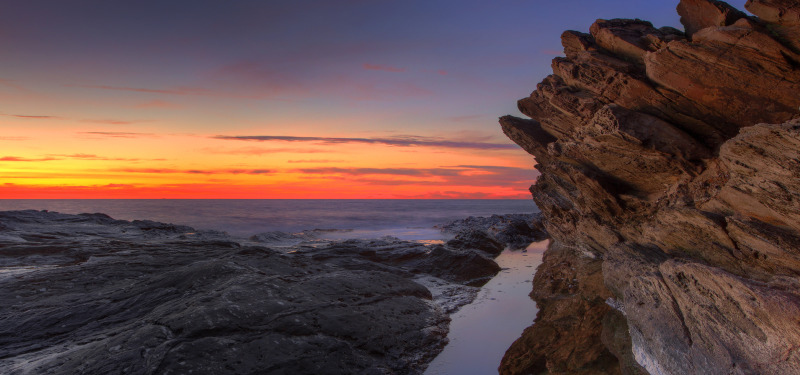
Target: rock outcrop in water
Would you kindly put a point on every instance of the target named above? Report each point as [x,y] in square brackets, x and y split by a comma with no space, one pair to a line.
[496,232]
[670,185]
[87,294]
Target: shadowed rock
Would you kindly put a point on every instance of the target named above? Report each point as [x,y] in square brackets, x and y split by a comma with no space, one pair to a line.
[90,294]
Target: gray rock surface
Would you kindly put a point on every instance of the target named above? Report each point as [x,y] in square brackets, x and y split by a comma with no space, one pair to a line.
[87,294]
[494,233]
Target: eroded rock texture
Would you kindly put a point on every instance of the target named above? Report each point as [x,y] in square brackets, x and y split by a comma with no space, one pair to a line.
[87,294]
[670,183]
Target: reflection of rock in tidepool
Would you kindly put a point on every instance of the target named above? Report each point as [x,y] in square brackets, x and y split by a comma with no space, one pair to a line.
[90,294]
[675,213]
[482,331]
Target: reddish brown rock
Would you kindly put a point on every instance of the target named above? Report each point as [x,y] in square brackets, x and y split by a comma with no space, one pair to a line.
[700,14]
[664,188]
[631,39]
[569,291]
[730,70]
[783,17]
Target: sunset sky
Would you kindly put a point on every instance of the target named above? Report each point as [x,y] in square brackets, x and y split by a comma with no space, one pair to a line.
[276,99]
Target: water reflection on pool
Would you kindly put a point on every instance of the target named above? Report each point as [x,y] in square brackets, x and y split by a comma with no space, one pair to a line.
[482,331]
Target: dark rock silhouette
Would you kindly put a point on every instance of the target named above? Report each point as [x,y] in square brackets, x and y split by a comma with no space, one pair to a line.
[87,294]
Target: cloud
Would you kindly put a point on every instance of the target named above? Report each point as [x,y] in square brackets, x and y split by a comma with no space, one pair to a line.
[400,141]
[158,104]
[93,157]
[289,81]
[385,68]
[49,117]
[10,83]
[35,117]
[110,122]
[170,91]
[459,175]
[492,168]
[194,171]
[314,161]
[258,151]
[384,171]
[16,158]
[118,134]
[82,156]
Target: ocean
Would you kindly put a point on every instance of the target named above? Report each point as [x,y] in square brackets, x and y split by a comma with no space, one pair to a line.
[341,218]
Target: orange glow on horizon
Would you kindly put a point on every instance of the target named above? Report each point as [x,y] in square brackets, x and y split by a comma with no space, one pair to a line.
[245,192]
[143,163]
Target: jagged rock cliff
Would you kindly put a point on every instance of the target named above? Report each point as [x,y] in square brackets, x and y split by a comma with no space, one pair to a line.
[670,184]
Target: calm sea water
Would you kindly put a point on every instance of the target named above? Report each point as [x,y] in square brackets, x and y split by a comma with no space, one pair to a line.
[359,218]
[482,331]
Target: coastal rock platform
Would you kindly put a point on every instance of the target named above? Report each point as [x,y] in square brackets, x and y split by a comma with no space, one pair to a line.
[90,294]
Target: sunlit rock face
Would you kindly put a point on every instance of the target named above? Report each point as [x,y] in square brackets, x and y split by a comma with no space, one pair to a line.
[670,183]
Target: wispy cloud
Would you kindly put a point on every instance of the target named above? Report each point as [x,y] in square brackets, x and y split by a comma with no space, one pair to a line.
[81,156]
[109,122]
[170,91]
[118,134]
[384,171]
[466,175]
[51,117]
[194,171]
[16,158]
[92,157]
[10,83]
[288,81]
[119,186]
[314,161]
[385,68]
[258,151]
[34,117]
[158,104]
[400,141]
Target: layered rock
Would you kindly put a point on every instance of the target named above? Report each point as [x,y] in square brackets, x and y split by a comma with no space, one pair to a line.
[87,294]
[670,167]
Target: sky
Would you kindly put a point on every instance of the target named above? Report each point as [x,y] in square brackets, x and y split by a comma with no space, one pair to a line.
[276,99]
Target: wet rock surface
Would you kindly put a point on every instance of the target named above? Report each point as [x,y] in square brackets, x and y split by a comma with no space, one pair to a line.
[670,174]
[491,233]
[90,294]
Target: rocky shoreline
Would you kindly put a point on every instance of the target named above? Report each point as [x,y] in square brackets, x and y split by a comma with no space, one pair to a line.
[91,294]
[670,184]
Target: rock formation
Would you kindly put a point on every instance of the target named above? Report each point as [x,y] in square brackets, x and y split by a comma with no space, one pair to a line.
[87,294]
[496,232]
[670,184]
